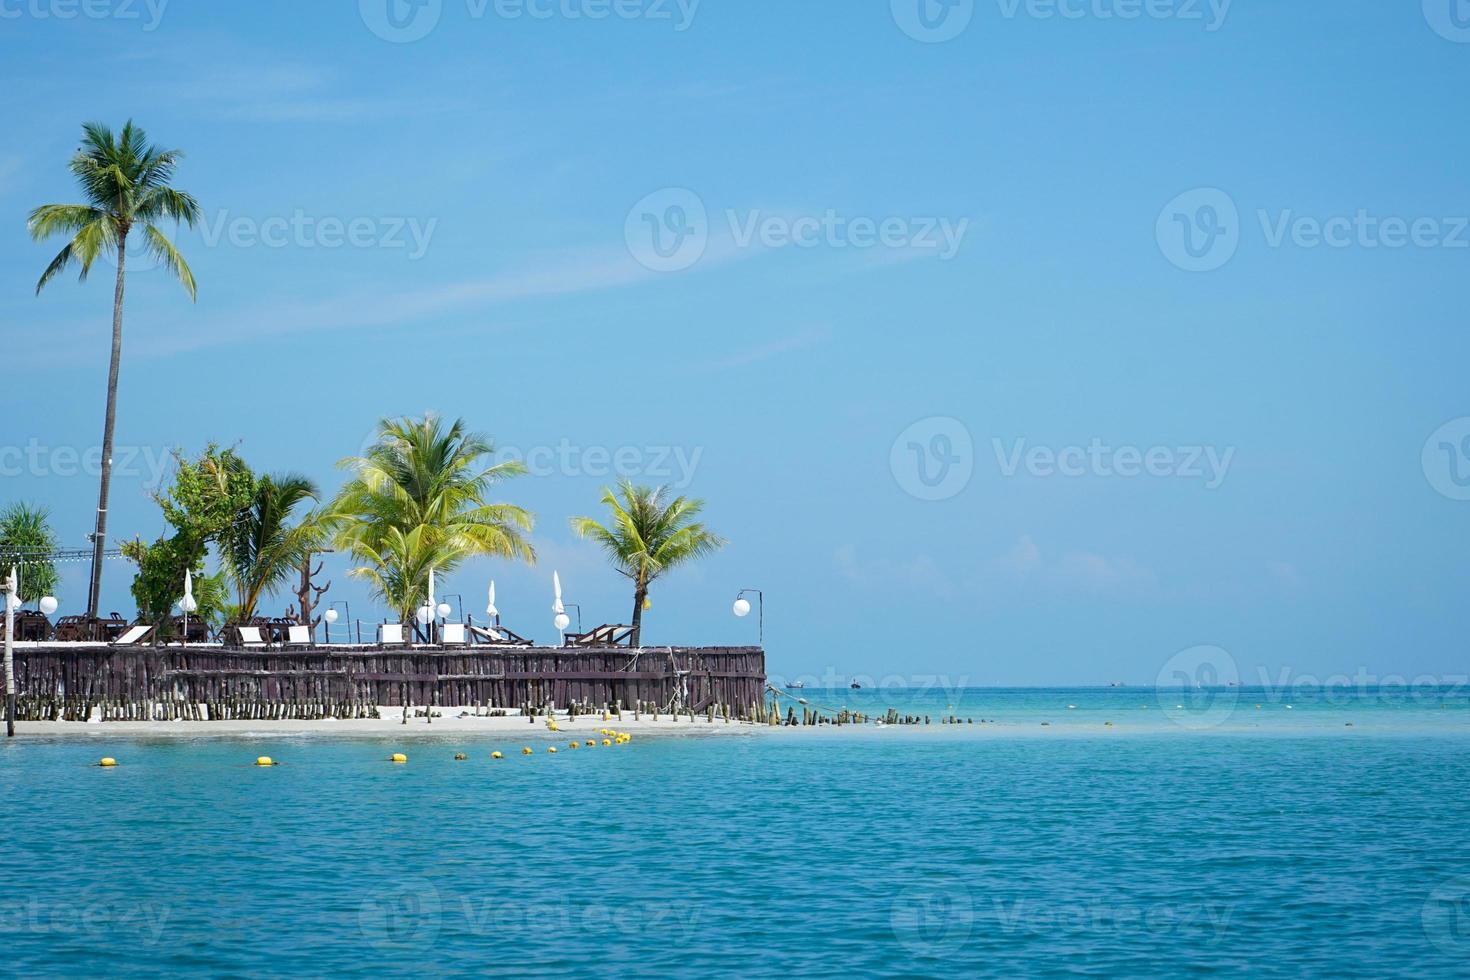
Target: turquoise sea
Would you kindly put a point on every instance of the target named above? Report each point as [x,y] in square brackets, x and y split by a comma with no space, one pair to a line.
[1331,838]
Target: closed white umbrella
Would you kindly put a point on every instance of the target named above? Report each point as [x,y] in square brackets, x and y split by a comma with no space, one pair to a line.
[490,609]
[556,606]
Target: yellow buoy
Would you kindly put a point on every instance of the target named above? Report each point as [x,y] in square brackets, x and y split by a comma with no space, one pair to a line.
[398,757]
[107,763]
[552,750]
[574,745]
[606,742]
[496,755]
[265,760]
[591,744]
[460,757]
[526,750]
[551,725]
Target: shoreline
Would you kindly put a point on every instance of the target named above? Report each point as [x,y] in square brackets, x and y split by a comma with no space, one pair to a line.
[451,723]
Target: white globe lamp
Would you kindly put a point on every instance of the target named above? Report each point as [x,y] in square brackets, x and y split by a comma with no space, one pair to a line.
[330,616]
[742,608]
[562,622]
[48,604]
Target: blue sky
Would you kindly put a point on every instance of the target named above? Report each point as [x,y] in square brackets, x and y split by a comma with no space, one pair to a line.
[1093,333]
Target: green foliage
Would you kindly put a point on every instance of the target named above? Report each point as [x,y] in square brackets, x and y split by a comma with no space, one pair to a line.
[262,547]
[202,506]
[419,500]
[25,534]
[126,183]
[647,536]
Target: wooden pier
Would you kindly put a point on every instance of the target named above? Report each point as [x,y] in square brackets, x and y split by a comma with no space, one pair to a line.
[203,683]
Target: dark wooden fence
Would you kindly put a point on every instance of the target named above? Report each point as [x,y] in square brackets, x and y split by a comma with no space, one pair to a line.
[213,682]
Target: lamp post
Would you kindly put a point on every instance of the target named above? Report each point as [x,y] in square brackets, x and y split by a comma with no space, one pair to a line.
[742,609]
[331,616]
[563,620]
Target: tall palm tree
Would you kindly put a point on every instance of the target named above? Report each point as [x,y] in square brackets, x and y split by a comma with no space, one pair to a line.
[419,500]
[263,548]
[126,183]
[648,536]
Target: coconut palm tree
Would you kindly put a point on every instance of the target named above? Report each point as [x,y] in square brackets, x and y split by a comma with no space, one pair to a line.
[263,547]
[648,535]
[127,185]
[419,499]
[27,541]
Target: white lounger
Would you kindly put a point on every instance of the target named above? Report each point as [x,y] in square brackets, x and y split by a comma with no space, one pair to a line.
[134,636]
[298,636]
[390,634]
[250,637]
[453,635]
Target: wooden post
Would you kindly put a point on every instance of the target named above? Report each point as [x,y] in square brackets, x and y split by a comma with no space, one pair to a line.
[8,591]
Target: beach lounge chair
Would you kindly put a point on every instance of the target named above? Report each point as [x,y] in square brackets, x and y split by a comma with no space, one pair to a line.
[390,635]
[453,635]
[298,635]
[250,637]
[498,636]
[607,635]
[134,636]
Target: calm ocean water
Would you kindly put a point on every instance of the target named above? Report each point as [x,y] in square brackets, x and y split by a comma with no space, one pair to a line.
[1332,837]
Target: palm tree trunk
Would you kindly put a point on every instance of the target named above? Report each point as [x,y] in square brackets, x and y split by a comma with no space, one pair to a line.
[99,539]
[639,595]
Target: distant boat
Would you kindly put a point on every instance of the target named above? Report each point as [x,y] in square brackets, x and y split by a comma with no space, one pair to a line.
[795,686]
[856,686]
